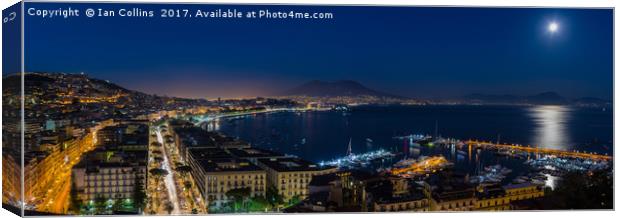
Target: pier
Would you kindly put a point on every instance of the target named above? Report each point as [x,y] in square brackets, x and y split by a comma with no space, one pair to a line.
[547,151]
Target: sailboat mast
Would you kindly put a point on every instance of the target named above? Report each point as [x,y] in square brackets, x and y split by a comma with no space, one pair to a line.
[349,150]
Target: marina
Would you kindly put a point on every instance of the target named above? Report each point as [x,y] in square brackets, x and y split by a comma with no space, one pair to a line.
[352,161]
[394,149]
[559,166]
[512,148]
[491,174]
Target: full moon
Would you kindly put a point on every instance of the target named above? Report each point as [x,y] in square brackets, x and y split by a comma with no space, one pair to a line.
[553,27]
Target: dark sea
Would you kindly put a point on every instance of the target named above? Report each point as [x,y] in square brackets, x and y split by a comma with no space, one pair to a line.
[319,136]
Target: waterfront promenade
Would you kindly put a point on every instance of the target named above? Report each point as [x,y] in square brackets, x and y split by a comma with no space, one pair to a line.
[537,150]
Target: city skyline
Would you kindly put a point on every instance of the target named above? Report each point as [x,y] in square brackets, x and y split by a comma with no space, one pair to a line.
[353,109]
[413,49]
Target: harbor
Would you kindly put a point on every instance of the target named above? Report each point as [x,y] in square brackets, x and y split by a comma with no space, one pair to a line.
[363,160]
[540,166]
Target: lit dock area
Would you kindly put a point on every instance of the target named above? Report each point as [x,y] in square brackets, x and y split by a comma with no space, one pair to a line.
[537,150]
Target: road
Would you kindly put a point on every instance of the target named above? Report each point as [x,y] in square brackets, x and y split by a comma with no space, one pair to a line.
[169,179]
[211,117]
[62,199]
[189,198]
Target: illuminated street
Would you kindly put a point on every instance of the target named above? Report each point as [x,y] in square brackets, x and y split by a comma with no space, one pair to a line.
[169,178]
[188,199]
[56,198]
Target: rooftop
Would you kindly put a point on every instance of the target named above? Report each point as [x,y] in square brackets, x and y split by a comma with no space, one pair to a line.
[520,185]
[491,192]
[289,164]
[415,196]
[253,153]
[227,165]
[450,187]
[209,153]
[127,134]
[111,158]
[323,180]
[194,137]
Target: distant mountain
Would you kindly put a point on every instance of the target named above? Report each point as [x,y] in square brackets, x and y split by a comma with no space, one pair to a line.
[348,88]
[545,98]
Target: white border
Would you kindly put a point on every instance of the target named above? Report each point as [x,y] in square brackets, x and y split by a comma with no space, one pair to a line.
[467,3]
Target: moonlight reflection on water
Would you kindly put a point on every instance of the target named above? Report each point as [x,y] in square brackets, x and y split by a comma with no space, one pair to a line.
[550,130]
[324,135]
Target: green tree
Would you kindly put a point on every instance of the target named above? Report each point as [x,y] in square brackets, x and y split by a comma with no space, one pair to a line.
[294,200]
[239,195]
[273,197]
[100,204]
[258,204]
[118,205]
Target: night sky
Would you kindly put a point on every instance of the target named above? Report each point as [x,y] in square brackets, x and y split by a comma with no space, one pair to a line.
[410,51]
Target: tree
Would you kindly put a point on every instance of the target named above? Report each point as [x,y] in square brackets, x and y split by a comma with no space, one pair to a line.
[294,200]
[100,204]
[184,169]
[178,164]
[239,195]
[273,197]
[158,172]
[258,204]
[76,202]
[169,207]
[593,190]
[159,159]
[187,185]
[168,139]
[139,195]
[118,205]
